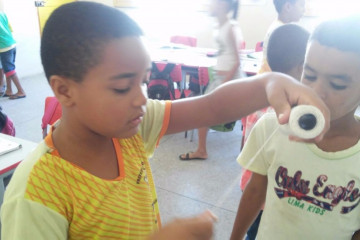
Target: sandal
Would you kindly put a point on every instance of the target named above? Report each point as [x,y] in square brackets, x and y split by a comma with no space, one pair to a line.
[187,157]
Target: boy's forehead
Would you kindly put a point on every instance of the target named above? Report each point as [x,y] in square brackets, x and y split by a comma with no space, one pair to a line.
[330,60]
[128,50]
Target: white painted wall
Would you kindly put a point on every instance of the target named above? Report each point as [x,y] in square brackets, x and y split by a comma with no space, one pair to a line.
[22,15]
[254,21]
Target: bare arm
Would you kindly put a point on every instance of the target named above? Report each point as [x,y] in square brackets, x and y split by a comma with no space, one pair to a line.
[238,98]
[196,228]
[250,205]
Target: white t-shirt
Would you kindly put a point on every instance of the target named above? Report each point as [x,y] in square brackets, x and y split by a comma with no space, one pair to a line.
[311,194]
[225,57]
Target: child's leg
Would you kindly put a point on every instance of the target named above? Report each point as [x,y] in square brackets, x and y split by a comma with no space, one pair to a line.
[201,152]
[8,90]
[2,82]
[8,62]
[16,81]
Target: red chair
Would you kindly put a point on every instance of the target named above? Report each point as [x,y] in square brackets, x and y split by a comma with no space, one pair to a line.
[52,113]
[203,78]
[259,47]
[186,40]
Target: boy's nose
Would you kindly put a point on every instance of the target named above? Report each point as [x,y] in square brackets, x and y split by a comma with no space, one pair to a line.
[141,96]
[320,90]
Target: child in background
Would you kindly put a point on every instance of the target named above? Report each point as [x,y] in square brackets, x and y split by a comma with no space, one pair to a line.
[311,190]
[228,38]
[7,57]
[90,178]
[286,54]
[288,11]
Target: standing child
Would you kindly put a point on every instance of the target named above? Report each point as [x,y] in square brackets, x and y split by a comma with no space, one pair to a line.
[312,190]
[228,38]
[288,11]
[7,57]
[90,178]
[286,54]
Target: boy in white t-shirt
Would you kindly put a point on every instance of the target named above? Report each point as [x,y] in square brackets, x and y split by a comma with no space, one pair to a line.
[288,11]
[311,190]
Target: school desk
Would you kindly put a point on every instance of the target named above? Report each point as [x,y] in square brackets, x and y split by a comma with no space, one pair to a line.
[10,160]
[191,58]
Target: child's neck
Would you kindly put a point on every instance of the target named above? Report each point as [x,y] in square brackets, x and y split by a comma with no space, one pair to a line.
[91,152]
[343,134]
[284,18]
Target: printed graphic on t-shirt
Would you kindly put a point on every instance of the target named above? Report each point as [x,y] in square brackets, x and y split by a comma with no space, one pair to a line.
[326,195]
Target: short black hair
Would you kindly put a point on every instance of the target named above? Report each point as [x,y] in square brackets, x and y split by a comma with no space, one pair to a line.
[76,33]
[287,47]
[342,34]
[280,3]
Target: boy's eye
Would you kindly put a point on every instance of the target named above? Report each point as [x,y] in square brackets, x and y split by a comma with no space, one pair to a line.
[337,87]
[121,91]
[310,78]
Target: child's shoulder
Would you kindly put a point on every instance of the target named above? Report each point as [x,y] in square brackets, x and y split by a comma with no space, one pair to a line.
[268,117]
[267,123]
[27,167]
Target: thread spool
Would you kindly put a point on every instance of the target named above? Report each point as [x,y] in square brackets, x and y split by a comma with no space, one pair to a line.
[305,122]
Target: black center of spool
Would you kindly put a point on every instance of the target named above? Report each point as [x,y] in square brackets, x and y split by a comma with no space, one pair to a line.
[307,121]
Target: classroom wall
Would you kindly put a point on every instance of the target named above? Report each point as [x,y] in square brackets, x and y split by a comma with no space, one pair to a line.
[24,21]
[253,19]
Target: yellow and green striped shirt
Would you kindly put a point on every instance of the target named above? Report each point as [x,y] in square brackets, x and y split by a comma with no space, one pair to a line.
[51,198]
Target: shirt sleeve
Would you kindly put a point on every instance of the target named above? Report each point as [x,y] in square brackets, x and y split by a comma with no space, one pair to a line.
[253,155]
[155,123]
[45,223]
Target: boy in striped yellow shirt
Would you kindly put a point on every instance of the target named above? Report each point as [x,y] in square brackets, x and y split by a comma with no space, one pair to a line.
[90,178]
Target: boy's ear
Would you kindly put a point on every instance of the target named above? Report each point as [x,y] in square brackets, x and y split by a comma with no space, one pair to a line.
[63,89]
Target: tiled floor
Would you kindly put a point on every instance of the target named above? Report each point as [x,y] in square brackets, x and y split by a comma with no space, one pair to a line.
[184,188]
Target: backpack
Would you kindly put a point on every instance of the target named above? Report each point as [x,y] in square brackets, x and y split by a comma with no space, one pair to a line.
[227,127]
[161,85]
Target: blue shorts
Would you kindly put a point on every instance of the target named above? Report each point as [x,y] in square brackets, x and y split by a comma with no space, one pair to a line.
[8,61]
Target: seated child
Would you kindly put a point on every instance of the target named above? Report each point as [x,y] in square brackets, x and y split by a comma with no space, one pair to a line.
[286,53]
[90,178]
[311,190]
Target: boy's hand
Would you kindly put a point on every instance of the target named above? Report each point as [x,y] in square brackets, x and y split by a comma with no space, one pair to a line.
[199,227]
[282,94]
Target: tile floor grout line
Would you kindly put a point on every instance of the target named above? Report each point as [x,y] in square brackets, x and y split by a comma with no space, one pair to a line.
[210,204]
